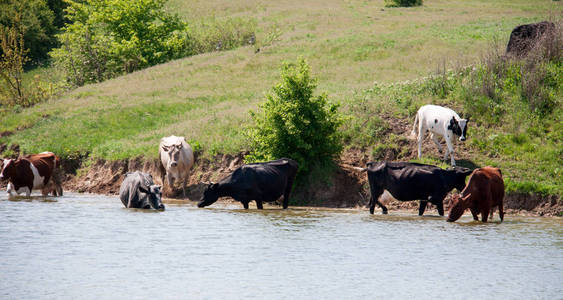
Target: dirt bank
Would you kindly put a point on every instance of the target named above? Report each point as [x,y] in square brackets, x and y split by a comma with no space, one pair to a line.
[345,188]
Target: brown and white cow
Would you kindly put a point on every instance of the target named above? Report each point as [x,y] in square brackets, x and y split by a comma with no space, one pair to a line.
[484,191]
[31,172]
[176,160]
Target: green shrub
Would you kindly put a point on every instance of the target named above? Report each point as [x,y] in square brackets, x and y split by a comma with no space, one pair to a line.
[402,3]
[105,38]
[295,124]
[216,35]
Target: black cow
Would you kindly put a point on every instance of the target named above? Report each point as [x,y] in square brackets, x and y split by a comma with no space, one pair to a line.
[262,182]
[139,191]
[413,181]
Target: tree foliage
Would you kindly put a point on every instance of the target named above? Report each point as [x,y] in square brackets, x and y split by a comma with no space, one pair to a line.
[293,123]
[37,19]
[105,38]
[13,90]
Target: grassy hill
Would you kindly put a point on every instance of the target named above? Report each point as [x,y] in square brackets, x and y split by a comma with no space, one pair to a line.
[349,45]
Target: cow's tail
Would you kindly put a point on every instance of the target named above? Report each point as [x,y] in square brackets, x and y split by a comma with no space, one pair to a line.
[358,169]
[413,132]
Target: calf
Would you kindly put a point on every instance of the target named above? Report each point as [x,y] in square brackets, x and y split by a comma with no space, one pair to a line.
[483,192]
[262,182]
[412,181]
[139,191]
[439,121]
[31,172]
[176,160]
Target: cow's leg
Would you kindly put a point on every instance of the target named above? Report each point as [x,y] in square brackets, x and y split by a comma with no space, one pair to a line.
[259,204]
[475,214]
[420,136]
[484,214]
[184,187]
[491,213]
[288,187]
[245,204]
[440,206]
[450,149]
[500,211]
[437,142]
[375,193]
[422,207]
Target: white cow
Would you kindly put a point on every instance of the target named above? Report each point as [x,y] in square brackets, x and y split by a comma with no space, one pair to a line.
[439,121]
[176,160]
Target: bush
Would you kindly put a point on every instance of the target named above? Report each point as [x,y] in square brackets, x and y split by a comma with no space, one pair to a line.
[105,38]
[402,3]
[13,90]
[37,20]
[292,123]
[218,35]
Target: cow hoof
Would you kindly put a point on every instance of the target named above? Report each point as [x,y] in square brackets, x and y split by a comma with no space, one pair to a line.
[384,212]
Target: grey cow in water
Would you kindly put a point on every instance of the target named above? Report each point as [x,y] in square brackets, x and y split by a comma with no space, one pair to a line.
[139,191]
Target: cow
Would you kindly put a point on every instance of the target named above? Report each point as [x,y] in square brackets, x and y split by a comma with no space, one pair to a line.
[32,172]
[439,121]
[176,160]
[484,191]
[413,181]
[262,182]
[524,37]
[139,191]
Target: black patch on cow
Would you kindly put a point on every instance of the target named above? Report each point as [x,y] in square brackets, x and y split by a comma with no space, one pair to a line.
[454,127]
[435,121]
[465,131]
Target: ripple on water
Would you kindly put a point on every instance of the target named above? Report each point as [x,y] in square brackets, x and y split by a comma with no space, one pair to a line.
[90,247]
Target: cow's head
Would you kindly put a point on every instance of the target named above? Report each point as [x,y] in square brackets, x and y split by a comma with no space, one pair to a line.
[7,169]
[459,205]
[459,127]
[154,195]
[458,175]
[210,195]
[173,154]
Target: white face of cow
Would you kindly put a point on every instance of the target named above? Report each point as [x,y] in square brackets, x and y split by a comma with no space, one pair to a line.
[3,164]
[173,155]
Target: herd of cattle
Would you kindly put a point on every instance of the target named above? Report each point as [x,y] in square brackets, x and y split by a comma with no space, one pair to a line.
[269,181]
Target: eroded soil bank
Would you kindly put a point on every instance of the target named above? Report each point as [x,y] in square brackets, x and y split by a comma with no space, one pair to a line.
[345,188]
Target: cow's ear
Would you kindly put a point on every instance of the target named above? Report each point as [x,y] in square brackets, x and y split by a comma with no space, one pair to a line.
[467,119]
[144,190]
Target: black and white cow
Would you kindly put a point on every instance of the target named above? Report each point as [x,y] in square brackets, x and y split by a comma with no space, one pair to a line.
[262,182]
[439,121]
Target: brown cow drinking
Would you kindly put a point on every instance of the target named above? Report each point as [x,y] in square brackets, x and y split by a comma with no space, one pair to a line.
[31,172]
[483,192]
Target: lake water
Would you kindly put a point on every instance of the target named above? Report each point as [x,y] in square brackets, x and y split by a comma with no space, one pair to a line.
[91,247]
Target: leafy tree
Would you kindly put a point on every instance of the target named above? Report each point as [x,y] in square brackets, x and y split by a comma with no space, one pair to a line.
[37,21]
[13,90]
[293,123]
[105,38]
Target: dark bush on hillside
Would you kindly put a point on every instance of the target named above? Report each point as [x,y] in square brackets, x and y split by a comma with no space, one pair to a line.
[293,123]
[402,3]
[111,37]
[37,19]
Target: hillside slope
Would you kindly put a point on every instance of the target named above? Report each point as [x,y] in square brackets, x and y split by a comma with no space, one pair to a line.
[349,45]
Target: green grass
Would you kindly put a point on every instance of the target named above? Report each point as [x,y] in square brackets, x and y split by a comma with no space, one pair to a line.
[349,45]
